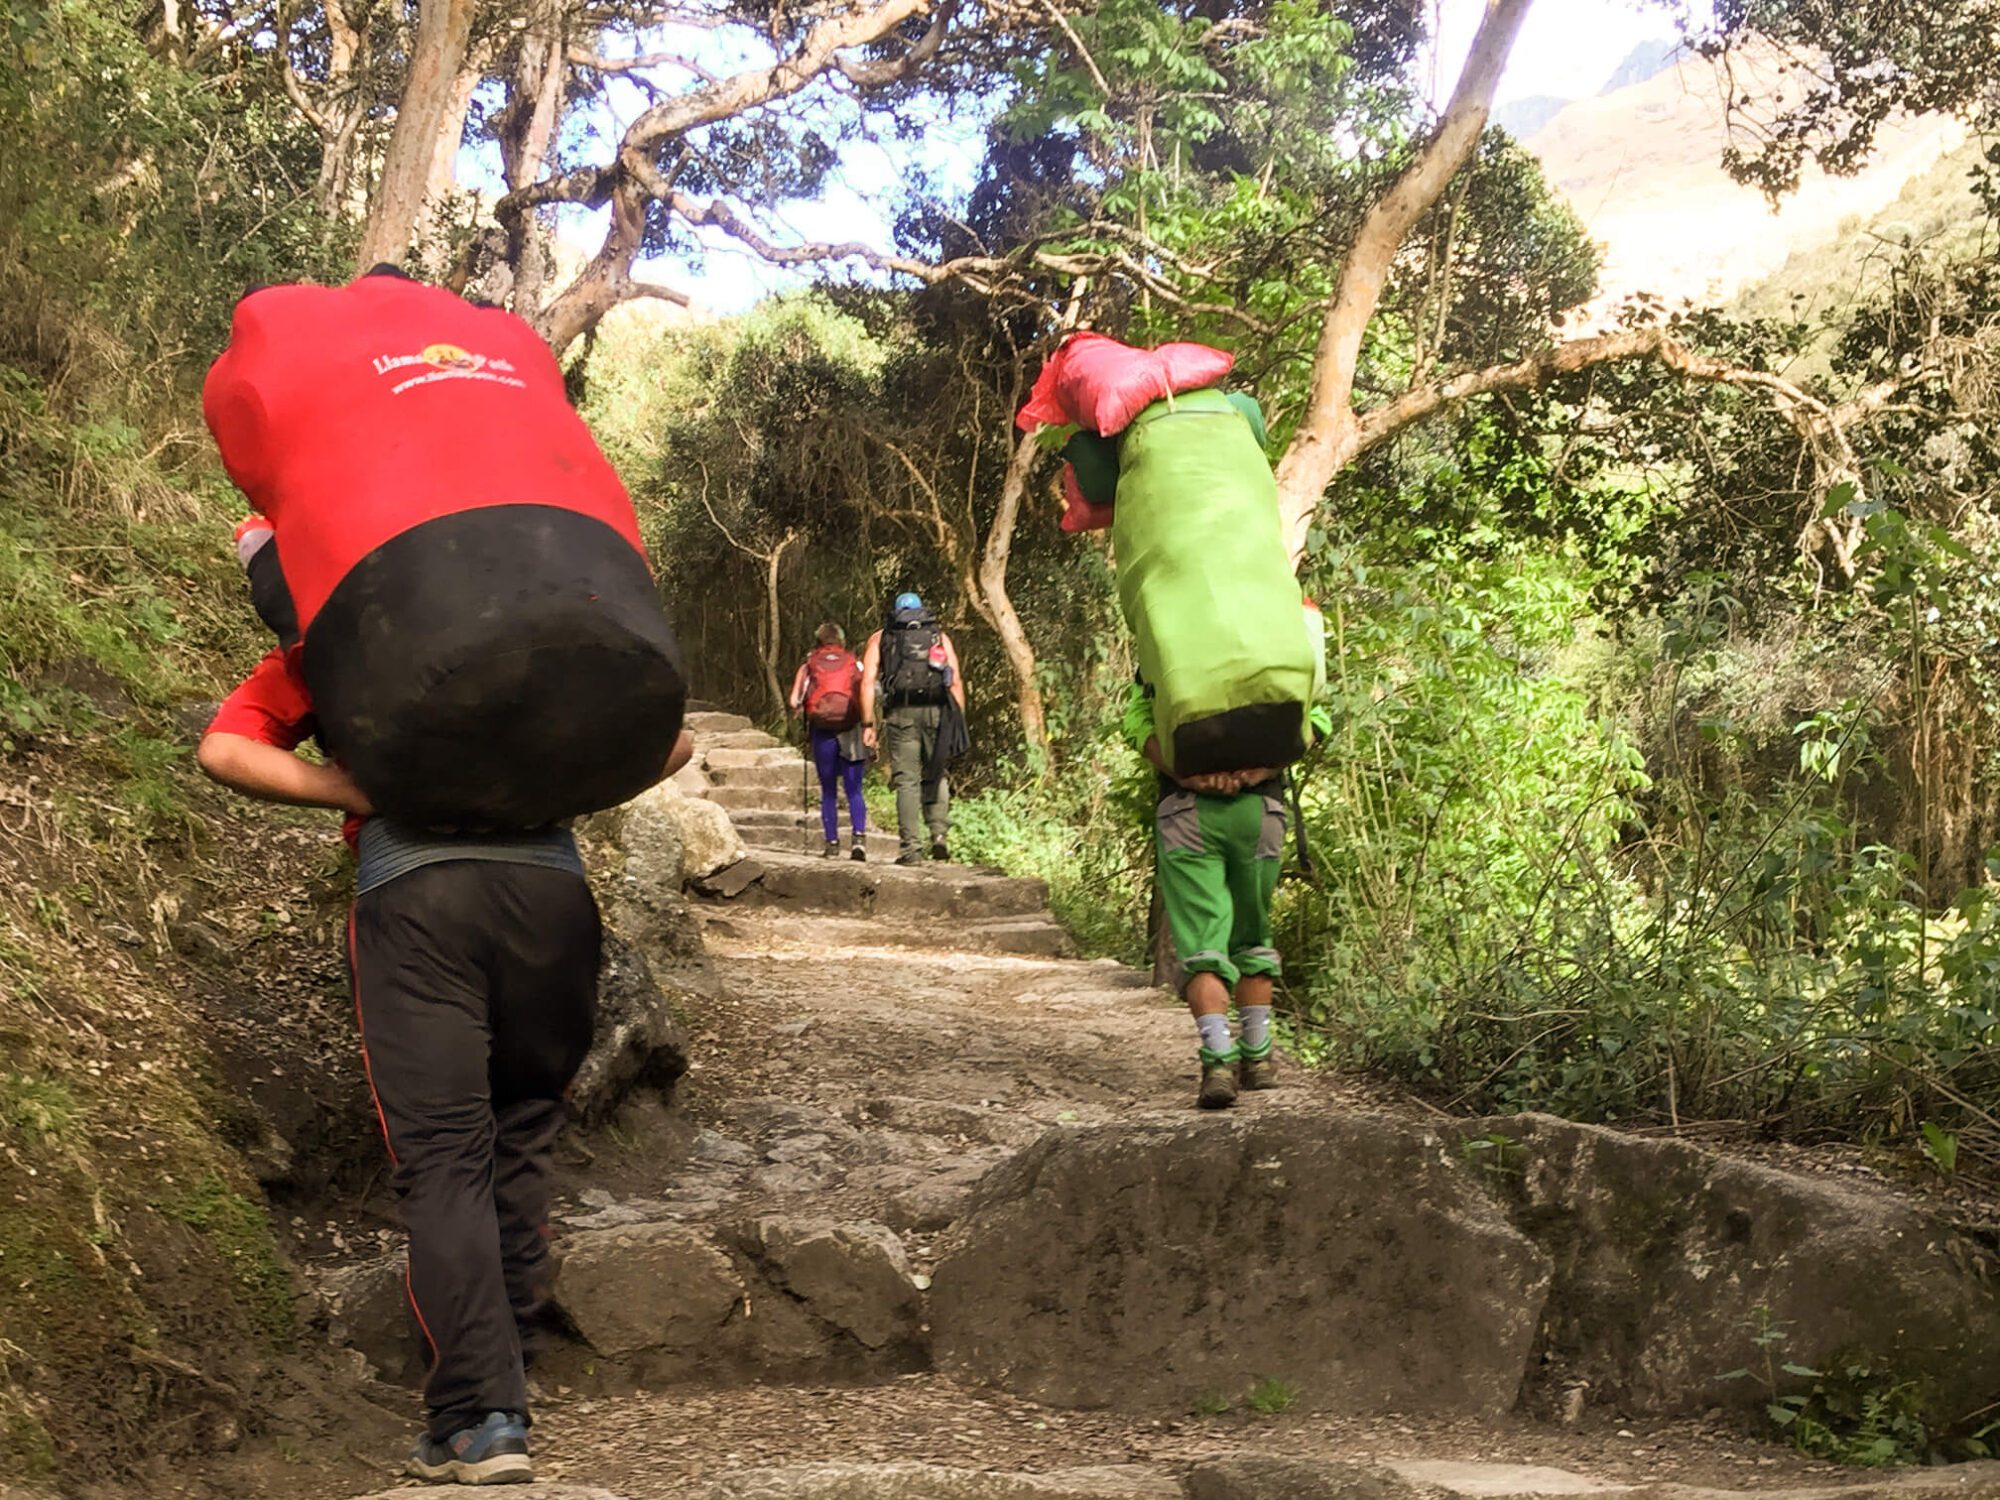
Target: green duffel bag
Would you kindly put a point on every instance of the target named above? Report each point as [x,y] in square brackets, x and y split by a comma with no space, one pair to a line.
[1207,588]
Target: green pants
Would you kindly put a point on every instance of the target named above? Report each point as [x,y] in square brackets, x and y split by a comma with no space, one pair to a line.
[1218,867]
[923,791]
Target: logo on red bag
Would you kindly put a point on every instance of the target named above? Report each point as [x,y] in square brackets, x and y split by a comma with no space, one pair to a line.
[445,362]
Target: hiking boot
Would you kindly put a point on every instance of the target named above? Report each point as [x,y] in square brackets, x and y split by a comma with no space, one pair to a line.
[1256,1070]
[910,857]
[831,851]
[860,853]
[939,853]
[1218,1079]
[494,1452]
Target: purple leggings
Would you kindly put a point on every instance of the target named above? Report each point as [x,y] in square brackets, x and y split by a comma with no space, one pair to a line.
[833,771]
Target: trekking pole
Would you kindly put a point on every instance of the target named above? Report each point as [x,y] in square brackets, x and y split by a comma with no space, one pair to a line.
[805,786]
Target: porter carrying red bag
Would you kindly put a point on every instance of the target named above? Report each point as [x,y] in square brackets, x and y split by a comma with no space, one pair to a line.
[480,629]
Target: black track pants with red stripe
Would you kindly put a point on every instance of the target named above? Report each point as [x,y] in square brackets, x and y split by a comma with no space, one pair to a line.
[475,989]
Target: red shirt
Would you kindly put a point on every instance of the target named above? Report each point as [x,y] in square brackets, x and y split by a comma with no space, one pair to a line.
[272,707]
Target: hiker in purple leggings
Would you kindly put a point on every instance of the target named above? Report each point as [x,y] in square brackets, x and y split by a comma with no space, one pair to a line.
[827,690]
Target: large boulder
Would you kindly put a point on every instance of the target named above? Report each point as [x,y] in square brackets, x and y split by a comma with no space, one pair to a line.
[639,1041]
[1149,1265]
[709,841]
[854,1276]
[1668,1260]
[647,1287]
[642,891]
[648,830]
[368,1309]
[777,1296]
[1272,1477]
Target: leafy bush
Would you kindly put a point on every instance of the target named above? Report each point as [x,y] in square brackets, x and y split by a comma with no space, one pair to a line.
[1513,911]
[1087,832]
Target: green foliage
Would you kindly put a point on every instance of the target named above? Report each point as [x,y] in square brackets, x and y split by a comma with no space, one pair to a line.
[1248,154]
[1516,909]
[143,194]
[1857,1413]
[1271,1397]
[35,1109]
[1940,1147]
[1087,833]
[239,1231]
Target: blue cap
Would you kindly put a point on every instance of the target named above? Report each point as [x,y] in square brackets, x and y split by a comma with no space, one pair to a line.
[908,601]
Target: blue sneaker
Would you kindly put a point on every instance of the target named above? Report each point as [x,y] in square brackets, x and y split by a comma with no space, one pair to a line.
[494,1452]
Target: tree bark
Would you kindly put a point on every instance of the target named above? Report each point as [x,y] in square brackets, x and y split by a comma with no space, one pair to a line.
[634,179]
[1325,441]
[772,644]
[525,128]
[1005,618]
[437,58]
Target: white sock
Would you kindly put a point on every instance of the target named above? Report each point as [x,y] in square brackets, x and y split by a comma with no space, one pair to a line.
[1214,1031]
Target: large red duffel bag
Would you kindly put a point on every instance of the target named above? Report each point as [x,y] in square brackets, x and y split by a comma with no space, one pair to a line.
[481,633]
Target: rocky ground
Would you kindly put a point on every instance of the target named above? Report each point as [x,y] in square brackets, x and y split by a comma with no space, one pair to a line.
[928,1216]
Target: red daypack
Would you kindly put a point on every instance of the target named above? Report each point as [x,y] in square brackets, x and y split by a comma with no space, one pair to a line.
[833,689]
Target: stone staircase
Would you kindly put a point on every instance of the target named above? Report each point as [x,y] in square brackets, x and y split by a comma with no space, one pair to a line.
[772,798]
[765,786]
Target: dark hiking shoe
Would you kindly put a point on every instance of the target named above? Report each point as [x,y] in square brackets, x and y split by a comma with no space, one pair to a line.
[939,853]
[831,851]
[1218,1079]
[494,1452]
[910,857]
[860,853]
[1256,1070]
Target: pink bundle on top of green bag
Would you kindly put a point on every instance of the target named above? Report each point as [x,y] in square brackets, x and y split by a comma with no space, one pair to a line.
[1176,469]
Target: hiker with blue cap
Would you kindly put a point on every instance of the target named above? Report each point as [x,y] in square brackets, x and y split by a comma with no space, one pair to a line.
[913,699]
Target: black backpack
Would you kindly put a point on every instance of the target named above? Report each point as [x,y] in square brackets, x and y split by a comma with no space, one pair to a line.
[912,657]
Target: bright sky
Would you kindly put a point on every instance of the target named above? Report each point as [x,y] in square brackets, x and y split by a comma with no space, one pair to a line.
[1568,49]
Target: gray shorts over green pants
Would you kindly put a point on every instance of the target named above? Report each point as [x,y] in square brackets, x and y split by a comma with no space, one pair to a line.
[923,791]
[1218,868]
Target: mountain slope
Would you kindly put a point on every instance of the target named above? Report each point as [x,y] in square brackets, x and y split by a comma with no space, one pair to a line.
[1936,211]
[1641,164]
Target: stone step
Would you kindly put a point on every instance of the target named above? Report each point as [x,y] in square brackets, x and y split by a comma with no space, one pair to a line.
[921,893]
[782,797]
[801,837]
[790,776]
[800,832]
[735,760]
[736,739]
[710,722]
[1014,937]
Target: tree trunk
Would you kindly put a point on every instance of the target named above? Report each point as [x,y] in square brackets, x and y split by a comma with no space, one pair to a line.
[437,57]
[1000,605]
[772,639]
[1166,962]
[1327,437]
[525,129]
[603,282]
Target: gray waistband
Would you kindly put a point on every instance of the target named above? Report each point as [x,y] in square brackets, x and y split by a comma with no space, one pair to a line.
[386,850]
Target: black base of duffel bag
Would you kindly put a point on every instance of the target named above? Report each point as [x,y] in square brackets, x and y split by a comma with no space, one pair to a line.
[1264,736]
[499,668]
